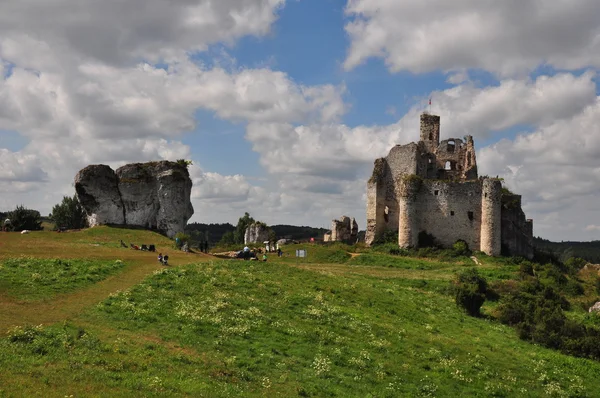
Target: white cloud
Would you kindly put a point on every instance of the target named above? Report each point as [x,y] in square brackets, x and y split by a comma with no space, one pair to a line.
[505,37]
[118,32]
[556,170]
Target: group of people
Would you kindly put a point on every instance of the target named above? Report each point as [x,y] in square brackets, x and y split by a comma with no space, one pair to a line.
[164,260]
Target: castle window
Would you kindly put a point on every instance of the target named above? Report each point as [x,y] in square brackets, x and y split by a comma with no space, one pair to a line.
[451,213]
[430,160]
[436,192]
[470,214]
[448,165]
[469,160]
[451,146]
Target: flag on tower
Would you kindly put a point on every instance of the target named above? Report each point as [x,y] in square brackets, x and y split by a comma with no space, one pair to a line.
[429,101]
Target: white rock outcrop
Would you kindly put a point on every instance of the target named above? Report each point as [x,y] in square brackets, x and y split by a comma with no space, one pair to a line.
[595,307]
[256,233]
[154,195]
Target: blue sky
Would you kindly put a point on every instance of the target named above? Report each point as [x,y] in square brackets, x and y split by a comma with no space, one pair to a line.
[283,105]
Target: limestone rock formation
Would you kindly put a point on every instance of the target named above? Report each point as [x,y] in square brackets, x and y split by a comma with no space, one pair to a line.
[153,195]
[595,307]
[343,230]
[256,233]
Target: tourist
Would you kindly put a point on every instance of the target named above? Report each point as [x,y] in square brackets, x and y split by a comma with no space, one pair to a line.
[166,259]
[264,257]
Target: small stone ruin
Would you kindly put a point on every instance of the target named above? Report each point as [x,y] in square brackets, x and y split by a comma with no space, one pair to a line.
[343,230]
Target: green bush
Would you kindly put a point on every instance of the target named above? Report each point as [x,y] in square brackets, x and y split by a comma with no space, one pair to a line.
[22,218]
[426,240]
[461,248]
[69,214]
[469,291]
[573,288]
[182,238]
[389,236]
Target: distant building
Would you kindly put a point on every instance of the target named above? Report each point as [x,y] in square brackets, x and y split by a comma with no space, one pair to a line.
[433,187]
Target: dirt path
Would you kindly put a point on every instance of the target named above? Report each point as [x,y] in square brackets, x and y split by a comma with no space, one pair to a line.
[69,305]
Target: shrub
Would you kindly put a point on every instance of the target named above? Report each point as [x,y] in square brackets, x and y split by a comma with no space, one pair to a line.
[526,269]
[573,288]
[461,248]
[574,264]
[389,236]
[69,214]
[469,291]
[22,218]
[181,239]
[426,240]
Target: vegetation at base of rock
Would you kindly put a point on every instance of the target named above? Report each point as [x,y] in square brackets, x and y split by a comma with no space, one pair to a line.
[181,239]
[69,214]
[22,218]
[31,278]
[240,229]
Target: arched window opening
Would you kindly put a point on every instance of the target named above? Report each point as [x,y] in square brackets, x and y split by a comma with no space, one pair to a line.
[448,165]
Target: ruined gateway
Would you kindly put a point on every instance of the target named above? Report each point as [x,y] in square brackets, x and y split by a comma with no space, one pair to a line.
[433,187]
[154,195]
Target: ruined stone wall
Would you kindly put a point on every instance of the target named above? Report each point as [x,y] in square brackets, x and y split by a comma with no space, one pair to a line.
[517,231]
[383,208]
[409,209]
[451,211]
[376,189]
[430,131]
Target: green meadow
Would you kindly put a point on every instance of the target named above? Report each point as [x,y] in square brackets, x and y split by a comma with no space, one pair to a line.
[343,322]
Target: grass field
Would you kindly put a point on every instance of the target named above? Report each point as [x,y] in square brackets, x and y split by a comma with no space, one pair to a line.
[337,323]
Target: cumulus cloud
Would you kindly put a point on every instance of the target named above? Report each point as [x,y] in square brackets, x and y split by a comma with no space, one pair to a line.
[556,170]
[505,37]
[118,32]
[84,91]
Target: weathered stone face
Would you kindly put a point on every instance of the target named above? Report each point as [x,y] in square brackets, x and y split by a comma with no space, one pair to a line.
[343,230]
[595,307]
[98,192]
[256,233]
[150,195]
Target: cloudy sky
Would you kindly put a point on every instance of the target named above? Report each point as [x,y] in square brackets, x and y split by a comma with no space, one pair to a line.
[283,105]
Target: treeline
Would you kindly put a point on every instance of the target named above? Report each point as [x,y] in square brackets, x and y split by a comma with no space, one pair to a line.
[589,251]
[214,233]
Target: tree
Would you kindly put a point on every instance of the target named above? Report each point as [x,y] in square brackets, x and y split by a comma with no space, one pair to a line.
[469,291]
[240,230]
[227,239]
[22,218]
[69,214]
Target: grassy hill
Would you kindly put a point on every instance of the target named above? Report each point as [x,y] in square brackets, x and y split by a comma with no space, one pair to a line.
[101,320]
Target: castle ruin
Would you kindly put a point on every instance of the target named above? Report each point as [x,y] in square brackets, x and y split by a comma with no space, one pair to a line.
[432,186]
